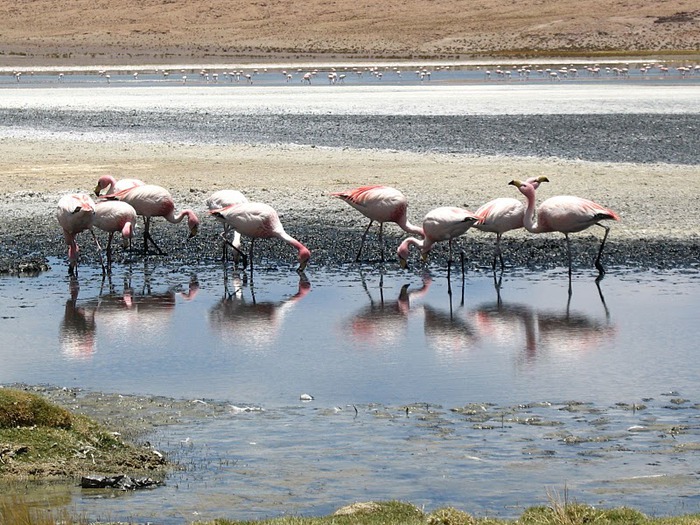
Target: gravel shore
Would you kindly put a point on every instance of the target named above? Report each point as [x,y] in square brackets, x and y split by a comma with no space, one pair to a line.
[659,227]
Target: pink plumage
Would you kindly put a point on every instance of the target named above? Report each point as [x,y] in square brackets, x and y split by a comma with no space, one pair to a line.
[150,201]
[441,224]
[566,214]
[381,204]
[258,220]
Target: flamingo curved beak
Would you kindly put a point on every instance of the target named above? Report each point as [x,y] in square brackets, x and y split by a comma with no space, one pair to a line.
[403,263]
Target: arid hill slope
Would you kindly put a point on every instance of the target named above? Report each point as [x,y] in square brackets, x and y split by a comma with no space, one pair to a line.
[167,31]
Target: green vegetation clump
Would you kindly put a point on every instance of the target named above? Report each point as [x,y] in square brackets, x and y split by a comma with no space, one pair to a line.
[22,409]
[39,439]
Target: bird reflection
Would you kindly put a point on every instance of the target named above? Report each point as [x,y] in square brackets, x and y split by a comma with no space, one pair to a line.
[382,320]
[241,320]
[118,312]
[540,330]
[78,327]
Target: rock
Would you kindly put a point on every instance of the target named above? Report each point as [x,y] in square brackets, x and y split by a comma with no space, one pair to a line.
[121,482]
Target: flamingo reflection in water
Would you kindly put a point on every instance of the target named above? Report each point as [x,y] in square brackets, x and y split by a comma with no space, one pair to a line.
[383,321]
[78,327]
[542,330]
[446,332]
[251,322]
[118,314]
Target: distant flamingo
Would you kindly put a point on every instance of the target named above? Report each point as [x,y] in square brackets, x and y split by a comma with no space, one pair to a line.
[565,214]
[75,214]
[150,201]
[112,217]
[109,184]
[259,220]
[381,204]
[441,224]
[502,215]
[221,199]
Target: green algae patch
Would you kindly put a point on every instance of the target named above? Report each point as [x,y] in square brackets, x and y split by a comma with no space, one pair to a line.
[42,440]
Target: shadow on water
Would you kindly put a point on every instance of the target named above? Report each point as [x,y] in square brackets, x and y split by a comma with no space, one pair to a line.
[498,387]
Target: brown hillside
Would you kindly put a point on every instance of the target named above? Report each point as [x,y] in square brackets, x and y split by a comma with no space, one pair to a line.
[177,31]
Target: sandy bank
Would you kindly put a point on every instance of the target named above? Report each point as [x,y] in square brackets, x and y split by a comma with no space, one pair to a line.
[653,200]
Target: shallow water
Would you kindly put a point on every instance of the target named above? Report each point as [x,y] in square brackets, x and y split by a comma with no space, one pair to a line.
[485,398]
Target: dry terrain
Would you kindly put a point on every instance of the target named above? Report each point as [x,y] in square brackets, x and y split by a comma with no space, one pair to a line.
[84,32]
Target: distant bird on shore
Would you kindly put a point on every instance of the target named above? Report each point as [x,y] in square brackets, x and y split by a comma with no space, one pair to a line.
[565,214]
[112,217]
[259,221]
[441,224]
[108,185]
[150,201]
[221,199]
[381,204]
[76,213]
[502,215]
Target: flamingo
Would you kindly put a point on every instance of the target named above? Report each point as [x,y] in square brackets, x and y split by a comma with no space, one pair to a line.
[112,217]
[150,201]
[109,184]
[221,199]
[565,214]
[259,220]
[381,204]
[75,214]
[502,215]
[441,224]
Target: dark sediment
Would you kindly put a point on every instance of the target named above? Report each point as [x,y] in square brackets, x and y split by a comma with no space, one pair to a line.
[639,137]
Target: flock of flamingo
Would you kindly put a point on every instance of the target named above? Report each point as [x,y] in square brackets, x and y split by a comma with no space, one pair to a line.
[119,202]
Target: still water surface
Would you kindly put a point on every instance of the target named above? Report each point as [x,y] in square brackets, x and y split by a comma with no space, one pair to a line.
[547,381]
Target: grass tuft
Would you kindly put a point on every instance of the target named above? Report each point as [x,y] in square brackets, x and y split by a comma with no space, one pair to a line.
[22,409]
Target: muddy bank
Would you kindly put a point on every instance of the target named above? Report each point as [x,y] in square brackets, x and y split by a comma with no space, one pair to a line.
[659,227]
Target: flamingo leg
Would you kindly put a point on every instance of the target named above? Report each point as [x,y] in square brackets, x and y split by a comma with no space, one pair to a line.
[598,264]
[224,255]
[109,250]
[362,243]
[498,254]
[252,242]
[381,240]
[99,251]
[568,251]
[239,252]
[147,237]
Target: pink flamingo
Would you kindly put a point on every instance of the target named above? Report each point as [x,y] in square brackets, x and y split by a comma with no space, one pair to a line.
[565,214]
[109,185]
[150,201]
[112,217]
[221,199]
[75,214]
[259,220]
[441,224]
[381,204]
[502,215]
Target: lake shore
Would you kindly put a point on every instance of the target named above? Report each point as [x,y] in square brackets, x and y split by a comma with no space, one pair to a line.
[655,201]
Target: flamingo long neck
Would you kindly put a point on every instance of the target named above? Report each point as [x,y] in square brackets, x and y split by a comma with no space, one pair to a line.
[304,252]
[175,219]
[410,228]
[408,242]
[530,220]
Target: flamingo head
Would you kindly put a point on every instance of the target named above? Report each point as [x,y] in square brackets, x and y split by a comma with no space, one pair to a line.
[402,253]
[526,188]
[304,256]
[104,182]
[536,181]
[127,233]
[193,224]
